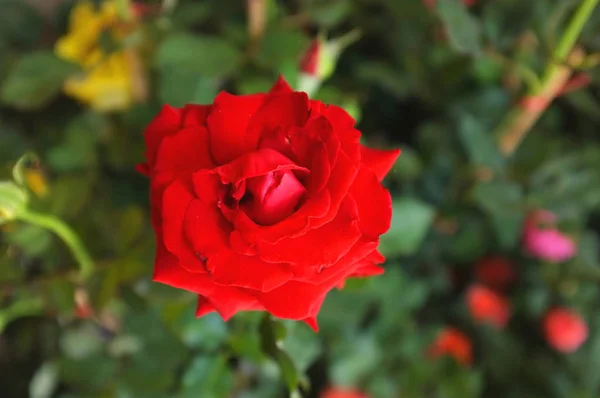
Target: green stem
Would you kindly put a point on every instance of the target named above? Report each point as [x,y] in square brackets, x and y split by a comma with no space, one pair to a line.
[565,46]
[19,309]
[520,120]
[71,239]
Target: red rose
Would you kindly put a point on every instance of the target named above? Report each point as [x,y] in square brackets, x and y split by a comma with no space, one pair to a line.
[454,343]
[486,306]
[342,392]
[495,272]
[565,330]
[264,202]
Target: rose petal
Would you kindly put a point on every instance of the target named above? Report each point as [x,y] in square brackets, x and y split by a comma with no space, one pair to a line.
[167,271]
[176,200]
[327,244]
[281,86]
[379,161]
[167,122]
[228,123]
[366,190]
[185,151]
[195,115]
[228,301]
[232,269]
[255,164]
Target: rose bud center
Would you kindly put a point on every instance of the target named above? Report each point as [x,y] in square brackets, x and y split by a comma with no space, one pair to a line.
[272,197]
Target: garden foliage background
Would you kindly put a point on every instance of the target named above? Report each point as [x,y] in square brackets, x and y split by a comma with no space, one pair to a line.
[436,79]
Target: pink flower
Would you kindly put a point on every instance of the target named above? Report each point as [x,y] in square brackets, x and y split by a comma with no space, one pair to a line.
[543,240]
[565,330]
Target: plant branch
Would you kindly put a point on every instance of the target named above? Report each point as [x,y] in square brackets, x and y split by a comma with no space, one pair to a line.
[79,251]
[526,112]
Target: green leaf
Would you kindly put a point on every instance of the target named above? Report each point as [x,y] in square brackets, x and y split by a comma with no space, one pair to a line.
[281,47]
[178,88]
[464,31]
[78,148]
[302,344]
[204,56]
[35,80]
[479,144]
[411,220]
[19,24]
[18,170]
[44,381]
[82,342]
[207,377]
[288,370]
[502,201]
[13,200]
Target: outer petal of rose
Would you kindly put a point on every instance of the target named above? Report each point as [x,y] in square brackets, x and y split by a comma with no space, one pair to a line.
[232,269]
[254,164]
[300,300]
[159,182]
[281,86]
[195,115]
[366,189]
[176,200]
[379,161]
[316,146]
[280,111]
[203,307]
[168,271]
[167,122]
[353,260]
[228,122]
[227,301]
[327,244]
[185,151]
[207,232]
[312,323]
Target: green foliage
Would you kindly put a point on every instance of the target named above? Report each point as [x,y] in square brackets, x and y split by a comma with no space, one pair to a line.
[435,78]
[35,80]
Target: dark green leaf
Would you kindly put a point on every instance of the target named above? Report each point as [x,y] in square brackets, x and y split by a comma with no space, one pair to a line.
[463,29]
[35,80]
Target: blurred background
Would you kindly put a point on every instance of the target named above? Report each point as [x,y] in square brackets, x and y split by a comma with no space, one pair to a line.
[492,276]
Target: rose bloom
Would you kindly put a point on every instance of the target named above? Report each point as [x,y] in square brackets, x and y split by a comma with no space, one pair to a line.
[565,330]
[264,202]
[543,240]
[342,392]
[454,343]
[106,83]
[486,306]
[495,272]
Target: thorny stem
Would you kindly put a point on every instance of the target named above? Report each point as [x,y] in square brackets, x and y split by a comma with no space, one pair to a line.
[521,118]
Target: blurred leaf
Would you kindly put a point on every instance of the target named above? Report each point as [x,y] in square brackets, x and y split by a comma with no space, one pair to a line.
[280,47]
[90,374]
[302,345]
[19,24]
[81,342]
[78,149]
[62,294]
[178,88]
[207,377]
[464,32]
[411,220]
[357,359]
[329,13]
[188,14]
[33,240]
[13,200]
[44,381]
[480,145]
[35,80]
[269,338]
[408,166]
[503,202]
[205,56]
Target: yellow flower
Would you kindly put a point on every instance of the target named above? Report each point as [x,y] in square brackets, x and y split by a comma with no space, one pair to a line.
[106,83]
